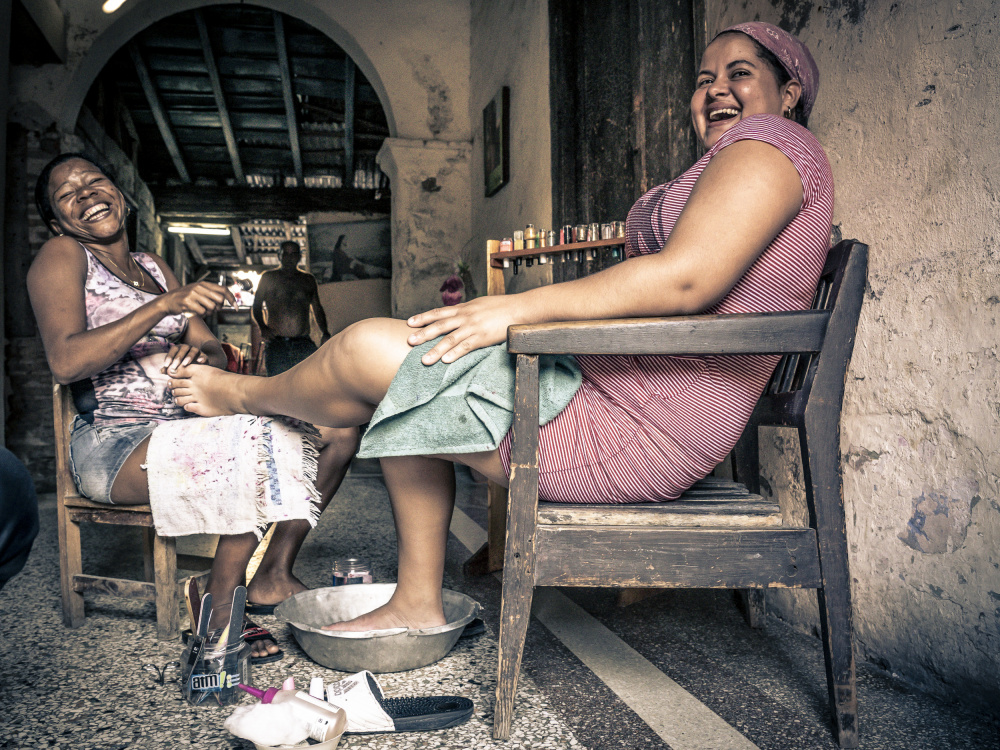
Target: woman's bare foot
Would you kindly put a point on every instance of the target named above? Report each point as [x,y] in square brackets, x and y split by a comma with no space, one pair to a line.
[388,616]
[267,589]
[209,392]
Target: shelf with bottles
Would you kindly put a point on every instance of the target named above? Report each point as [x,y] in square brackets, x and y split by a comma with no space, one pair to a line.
[570,251]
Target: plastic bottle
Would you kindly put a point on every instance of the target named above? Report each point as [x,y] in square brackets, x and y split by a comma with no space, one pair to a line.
[326,721]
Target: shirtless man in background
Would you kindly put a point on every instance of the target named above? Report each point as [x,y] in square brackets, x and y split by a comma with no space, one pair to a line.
[281,308]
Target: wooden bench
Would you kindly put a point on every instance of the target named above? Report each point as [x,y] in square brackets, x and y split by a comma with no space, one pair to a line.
[720,534]
[159,553]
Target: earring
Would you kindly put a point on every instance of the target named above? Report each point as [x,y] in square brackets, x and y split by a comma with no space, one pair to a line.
[788,113]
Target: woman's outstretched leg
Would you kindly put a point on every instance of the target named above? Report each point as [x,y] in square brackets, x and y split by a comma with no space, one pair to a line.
[422,491]
[338,386]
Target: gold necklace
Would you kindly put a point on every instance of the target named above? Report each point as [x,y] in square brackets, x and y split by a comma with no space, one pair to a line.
[124,273]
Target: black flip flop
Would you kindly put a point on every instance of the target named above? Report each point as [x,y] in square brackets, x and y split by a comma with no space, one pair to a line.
[260,609]
[474,628]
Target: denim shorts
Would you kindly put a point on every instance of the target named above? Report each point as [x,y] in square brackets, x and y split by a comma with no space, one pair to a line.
[96,454]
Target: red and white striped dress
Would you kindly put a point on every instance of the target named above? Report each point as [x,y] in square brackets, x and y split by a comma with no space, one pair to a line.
[645,428]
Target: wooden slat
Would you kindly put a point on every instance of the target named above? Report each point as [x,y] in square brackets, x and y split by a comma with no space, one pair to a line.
[115,587]
[110,514]
[751,333]
[288,94]
[677,513]
[698,558]
[220,99]
[159,113]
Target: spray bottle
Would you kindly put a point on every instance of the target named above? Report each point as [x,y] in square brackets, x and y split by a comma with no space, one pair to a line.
[326,721]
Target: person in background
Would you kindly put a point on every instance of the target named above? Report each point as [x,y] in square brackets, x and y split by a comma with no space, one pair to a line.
[18,515]
[281,308]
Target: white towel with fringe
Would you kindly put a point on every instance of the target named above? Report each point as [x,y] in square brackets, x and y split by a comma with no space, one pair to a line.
[231,475]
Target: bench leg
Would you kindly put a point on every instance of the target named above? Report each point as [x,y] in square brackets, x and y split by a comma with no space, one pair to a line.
[165,564]
[70,566]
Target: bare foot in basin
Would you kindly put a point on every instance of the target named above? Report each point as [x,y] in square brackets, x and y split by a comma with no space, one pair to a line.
[388,616]
[210,392]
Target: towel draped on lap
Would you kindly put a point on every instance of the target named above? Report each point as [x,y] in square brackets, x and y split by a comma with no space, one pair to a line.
[463,407]
[231,475]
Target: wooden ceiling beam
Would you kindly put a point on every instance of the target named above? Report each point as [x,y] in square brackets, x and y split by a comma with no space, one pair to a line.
[241,253]
[349,69]
[288,94]
[238,205]
[220,99]
[159,113]
[192,245]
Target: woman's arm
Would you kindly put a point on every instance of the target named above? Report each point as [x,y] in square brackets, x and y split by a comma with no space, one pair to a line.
[56,288]
[199,344]
[743,199]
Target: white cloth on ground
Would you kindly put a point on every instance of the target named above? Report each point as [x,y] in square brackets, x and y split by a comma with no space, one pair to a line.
[231,475]
[268,724]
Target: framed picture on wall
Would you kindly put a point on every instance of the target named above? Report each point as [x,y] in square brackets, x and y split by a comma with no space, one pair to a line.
[496,141]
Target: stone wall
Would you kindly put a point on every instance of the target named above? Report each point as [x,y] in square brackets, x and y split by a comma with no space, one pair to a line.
[906,113]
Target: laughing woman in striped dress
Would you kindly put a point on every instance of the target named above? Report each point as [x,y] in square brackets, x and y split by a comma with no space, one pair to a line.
[745,229]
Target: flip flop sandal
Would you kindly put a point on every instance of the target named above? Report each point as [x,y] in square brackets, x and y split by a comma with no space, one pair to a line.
[474,628]
[369,712]
[253,633]
[260,609]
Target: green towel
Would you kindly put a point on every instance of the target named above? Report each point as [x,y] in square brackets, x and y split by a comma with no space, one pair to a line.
[463,407]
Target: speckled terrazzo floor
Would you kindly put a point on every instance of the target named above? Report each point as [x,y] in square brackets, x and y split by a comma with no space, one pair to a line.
[85,689]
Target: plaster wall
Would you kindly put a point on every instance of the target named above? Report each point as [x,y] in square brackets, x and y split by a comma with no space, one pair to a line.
[430,217]
[510,47]
[906,113]
[415,54]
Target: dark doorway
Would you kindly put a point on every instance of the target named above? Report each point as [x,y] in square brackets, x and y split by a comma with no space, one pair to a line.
[621,79]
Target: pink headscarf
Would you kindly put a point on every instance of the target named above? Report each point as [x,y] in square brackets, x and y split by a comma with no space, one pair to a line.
[793,55]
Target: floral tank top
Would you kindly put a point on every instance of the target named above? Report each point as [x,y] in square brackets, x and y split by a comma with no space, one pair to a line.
[133,388]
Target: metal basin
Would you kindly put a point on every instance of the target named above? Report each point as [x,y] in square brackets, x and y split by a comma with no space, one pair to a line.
[395,650]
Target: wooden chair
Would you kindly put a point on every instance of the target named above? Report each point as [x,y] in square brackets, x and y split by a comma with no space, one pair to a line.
[159,553]
[707,539]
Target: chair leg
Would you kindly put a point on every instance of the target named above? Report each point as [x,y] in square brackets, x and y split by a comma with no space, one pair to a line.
[148,564]
[70,566]
[165,564]
[754,607]
[519,557]
[515,612]
[825,495]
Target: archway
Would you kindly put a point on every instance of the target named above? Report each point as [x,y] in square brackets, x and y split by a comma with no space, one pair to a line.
[134,18]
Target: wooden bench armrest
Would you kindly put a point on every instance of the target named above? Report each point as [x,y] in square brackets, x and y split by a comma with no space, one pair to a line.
[746,333]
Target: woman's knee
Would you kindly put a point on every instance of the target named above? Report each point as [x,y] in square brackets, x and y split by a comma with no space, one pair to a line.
[370,350]
[339,443]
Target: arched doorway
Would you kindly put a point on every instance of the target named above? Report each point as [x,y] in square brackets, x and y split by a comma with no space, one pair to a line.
[255,125]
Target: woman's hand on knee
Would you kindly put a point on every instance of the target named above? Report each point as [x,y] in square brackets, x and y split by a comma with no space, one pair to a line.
[466,327]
